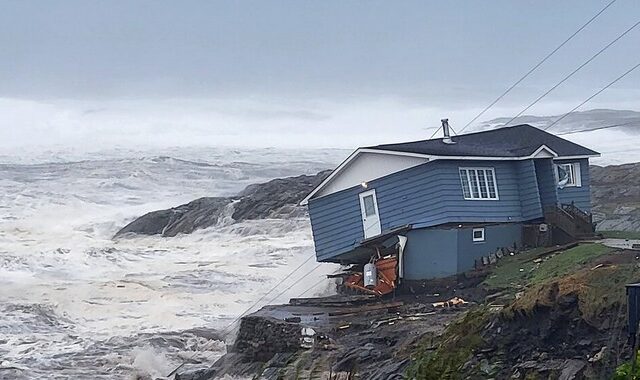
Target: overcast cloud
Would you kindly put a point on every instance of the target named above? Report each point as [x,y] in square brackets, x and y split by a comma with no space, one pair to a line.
[292,73]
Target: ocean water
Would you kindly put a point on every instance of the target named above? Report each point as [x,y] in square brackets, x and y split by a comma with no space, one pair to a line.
[76,304]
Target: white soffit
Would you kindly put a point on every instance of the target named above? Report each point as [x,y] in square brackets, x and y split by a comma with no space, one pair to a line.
[544,152]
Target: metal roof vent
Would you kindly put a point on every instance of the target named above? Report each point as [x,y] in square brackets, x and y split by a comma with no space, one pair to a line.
[446,131]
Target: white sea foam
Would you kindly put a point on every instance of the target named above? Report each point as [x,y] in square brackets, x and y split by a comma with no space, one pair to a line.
[74,303]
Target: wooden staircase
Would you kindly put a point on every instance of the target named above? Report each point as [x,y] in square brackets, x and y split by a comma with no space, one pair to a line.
[574,222]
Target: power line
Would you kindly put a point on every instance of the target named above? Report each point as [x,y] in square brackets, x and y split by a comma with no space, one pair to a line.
[534,68]
[620,151]
[224,330]
[574,71]
[270,301]
[295,283]
[594,129]
[264,296]
[323,279]
[594,95]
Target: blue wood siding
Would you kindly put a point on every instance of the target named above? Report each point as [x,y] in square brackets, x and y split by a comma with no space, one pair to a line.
[440,252]
[425,195]
[529,192]
[495,236]
[431,194]
[547,183]
[430,253]
[336,222]
[581,196]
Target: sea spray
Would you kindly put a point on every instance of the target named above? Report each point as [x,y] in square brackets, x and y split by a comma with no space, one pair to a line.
[77,304]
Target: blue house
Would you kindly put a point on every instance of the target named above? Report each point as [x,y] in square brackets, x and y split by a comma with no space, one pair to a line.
[444,203]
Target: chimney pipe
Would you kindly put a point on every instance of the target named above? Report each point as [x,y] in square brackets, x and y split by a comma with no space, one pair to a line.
[445,130]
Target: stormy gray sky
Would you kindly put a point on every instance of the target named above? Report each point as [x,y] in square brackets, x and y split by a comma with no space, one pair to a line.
[294,73]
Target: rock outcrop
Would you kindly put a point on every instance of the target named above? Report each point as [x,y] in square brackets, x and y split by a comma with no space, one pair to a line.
[615,197]
[278,198]
[335,337]
[615,194]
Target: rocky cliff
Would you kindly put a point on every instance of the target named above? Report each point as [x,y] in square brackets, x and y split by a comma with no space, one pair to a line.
[278,198]
[547,314]
[615,196]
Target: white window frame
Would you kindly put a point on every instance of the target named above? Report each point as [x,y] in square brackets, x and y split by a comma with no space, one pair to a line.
[478,188]
[473,235]
[575,177]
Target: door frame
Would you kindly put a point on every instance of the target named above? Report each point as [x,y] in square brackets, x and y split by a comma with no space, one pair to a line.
[363,215]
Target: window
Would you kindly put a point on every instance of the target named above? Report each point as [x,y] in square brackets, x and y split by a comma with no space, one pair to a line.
[478,183]
[569,175]
[478,234]
[369,205]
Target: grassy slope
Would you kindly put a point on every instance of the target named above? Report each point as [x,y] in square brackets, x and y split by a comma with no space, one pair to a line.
[515,272]
[572,271]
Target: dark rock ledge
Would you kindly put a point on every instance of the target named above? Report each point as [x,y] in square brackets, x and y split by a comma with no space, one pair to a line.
[277,198]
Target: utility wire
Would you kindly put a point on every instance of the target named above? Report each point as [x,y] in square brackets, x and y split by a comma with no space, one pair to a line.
[224,330]
[534,68]
[594,95]
[295,283]
[323,279]
[264,296]
[574,71]
[272,299]
[595,129]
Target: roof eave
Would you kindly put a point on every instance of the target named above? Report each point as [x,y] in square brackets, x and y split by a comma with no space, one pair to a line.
[355,153]
[348,160]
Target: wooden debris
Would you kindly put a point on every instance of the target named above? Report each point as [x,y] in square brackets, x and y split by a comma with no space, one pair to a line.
[334,300]
[364,309]
[455,301]
[377,324]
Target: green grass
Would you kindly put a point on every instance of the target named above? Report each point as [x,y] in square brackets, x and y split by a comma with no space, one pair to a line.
[597,289]
[568,261]
[516,271]
[507,272]
[569,272]
[624,371]
[621,234]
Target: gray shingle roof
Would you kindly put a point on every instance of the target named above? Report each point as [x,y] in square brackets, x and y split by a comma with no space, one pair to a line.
[516,141]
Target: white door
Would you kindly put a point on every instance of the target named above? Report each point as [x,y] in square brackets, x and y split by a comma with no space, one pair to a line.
[370,217]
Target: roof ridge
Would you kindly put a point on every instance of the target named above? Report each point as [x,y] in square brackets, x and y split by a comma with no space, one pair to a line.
[464,134]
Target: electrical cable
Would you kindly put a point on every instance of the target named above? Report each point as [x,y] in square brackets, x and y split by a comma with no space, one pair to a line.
[574,72]
[224,332]
[594,95]
[534,68]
